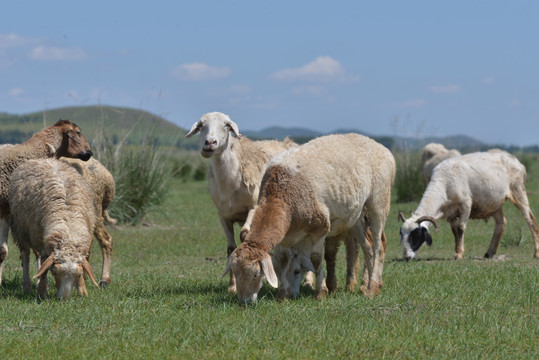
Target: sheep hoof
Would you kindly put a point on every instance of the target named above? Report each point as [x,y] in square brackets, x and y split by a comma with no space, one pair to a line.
[372,290]
[457,257]
[322,294]
[103,284]
[283,294]
[232,289]
[536,255]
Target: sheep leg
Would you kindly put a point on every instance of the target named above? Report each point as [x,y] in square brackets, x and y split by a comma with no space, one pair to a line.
[316,259]
[228,227]
[4,231]
[458,227]
[520,200]
[105,242]
[498,232]
[368,256]
[246,228]
[376,226]
[25,261]
[330,255]
[42,285]
[81,286]
[284,286]
[352,262]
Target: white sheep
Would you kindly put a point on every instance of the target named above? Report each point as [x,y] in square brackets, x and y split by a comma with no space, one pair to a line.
[237,165]
[315,191]
[63,138]
[53,214]
[472,186]
[103,188]
[431,155]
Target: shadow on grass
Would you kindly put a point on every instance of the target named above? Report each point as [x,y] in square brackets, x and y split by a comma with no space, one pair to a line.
[419,260]
[12,288]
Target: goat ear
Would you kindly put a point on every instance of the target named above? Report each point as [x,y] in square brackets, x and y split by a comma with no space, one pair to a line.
[427,237]
[231,125]
[45,266]
[194,129]
[306,263]
[269,272]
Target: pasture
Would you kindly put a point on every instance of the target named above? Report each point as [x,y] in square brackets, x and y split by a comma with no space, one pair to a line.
[167,299]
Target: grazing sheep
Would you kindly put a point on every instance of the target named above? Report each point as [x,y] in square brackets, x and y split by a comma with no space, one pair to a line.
[53,213]
[431,155]
[472,186]
[237,165]
[311,193]
[63,138]
[103,189]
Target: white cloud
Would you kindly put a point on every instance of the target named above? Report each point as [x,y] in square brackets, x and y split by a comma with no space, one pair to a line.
[15,92]
[14,40]
[445,89]
[200,72]
[309,90]
[57,54]
[489,80]
[323,68]
[414,104]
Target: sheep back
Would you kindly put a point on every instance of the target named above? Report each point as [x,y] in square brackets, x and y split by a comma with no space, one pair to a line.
[52,208]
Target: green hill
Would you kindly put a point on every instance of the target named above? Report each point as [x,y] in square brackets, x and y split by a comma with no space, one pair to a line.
[116,123]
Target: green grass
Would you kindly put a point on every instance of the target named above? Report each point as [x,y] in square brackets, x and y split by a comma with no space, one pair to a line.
[167,300]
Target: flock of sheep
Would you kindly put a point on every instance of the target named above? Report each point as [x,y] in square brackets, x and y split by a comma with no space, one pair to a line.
[295,205]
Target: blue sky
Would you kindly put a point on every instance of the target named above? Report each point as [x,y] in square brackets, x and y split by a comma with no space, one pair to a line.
[416,68]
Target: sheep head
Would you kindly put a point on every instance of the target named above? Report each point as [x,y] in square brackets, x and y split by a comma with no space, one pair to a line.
[250,266]
[65,273]
[73,144]
[413,235]
[214,131]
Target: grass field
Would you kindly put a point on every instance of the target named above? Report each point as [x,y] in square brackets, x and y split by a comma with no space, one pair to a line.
[167,300]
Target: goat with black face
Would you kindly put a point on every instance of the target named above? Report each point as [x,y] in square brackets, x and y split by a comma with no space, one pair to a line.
[413,234]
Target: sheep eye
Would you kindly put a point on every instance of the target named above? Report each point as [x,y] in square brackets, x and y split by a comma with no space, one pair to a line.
[296,272]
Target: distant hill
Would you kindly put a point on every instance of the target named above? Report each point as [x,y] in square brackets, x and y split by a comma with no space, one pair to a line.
[114,122]
[142,126]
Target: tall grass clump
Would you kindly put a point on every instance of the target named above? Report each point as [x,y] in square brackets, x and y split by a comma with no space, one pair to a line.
[142,174]
[408,183]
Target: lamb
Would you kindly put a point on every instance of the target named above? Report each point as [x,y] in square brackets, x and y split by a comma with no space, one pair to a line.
[103,188]
[237,165]
[63,138]
[472,186]
[431,155]
[53,213]
[311,193]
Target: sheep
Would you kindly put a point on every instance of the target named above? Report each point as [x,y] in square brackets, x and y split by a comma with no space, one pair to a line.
[472,186]
[237,165]
[103,188]
[63,138]
[297,266]
[431,155]
[311,193]
[53,213]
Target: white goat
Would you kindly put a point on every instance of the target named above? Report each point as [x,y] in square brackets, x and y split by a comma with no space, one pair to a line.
[312,192]
[472,186]
[431,155]
[237,165]
[53,213]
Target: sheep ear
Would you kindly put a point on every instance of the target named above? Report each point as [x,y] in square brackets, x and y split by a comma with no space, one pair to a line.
[52,149]
[86,266]
[194,129]
[427,237]
[269,272]
[231,125]
[401,217]
[45,266]
[306,263]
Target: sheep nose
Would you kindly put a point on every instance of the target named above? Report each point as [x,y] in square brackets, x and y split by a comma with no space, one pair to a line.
[210,142]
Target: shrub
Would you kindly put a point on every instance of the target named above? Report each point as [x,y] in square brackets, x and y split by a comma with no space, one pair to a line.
[142,174]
